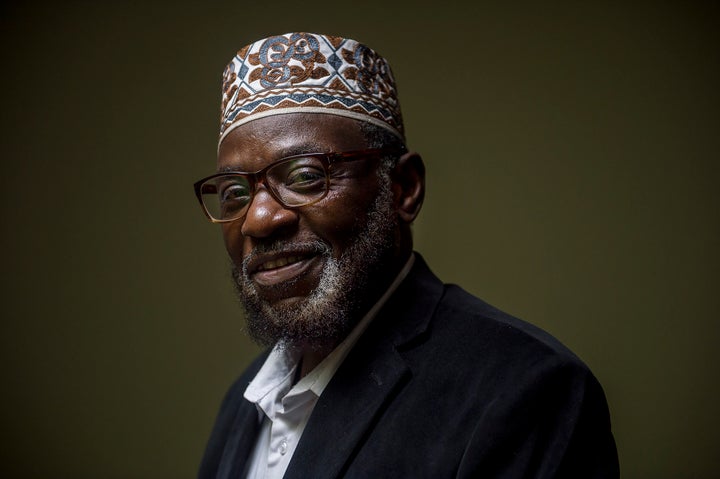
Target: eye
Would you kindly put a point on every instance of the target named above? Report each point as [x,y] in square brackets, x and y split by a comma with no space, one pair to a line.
[303,175]
[234,190]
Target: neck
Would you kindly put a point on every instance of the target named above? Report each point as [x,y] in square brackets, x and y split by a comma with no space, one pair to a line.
[313,354]
[309,361]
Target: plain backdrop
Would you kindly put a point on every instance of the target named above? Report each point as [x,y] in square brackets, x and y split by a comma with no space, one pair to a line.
[572,160]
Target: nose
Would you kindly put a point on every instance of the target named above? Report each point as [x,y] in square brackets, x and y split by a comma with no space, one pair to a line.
[265,216]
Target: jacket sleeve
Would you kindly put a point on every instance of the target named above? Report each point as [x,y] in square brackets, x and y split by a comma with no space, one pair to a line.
[554,424]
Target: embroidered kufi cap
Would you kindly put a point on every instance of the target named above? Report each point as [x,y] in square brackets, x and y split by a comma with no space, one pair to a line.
[309,73]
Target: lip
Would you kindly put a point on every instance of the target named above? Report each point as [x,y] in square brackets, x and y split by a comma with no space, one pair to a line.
[268,270]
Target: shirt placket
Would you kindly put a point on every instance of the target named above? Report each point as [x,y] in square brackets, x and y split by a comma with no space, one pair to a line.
[286,430]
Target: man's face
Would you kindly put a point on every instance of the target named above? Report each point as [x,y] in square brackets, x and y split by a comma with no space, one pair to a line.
[305,275]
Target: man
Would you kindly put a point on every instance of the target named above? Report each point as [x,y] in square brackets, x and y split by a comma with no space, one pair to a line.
[374,367]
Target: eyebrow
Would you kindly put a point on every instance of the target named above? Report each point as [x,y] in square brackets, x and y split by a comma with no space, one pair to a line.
[301,148]
[292,150]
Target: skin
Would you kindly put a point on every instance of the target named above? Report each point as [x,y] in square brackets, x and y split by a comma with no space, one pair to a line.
[335,219]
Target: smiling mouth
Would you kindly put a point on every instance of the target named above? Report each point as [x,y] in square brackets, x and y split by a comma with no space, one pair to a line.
[284,274]
[280,262]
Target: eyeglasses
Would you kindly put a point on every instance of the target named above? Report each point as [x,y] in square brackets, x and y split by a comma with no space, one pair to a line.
[293,181]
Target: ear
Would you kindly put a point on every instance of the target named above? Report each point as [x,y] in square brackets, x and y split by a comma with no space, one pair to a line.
[409,185]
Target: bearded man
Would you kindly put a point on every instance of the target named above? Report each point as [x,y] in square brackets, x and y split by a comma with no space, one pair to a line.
[374,367]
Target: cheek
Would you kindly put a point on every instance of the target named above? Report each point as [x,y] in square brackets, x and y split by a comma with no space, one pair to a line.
[341,216]
[234,242]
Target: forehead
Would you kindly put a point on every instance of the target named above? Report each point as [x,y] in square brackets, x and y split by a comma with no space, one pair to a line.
[253,145]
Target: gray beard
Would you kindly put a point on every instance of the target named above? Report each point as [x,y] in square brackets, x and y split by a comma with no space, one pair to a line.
[335,306]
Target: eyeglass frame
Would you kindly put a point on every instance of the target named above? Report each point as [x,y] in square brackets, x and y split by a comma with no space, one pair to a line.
[257,177]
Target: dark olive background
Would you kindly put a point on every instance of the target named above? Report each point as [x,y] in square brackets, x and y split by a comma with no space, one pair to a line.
[572,157]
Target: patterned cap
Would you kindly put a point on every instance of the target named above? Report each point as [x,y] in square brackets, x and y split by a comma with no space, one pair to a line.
[309,73]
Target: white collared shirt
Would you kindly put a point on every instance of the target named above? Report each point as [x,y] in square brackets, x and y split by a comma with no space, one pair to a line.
[284,409]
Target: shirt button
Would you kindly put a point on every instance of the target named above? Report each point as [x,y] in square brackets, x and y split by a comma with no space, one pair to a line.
[283,447]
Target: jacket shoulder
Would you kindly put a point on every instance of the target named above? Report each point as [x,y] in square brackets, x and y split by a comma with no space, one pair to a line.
[494,329]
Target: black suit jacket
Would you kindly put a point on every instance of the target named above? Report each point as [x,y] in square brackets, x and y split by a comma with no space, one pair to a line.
[440,385]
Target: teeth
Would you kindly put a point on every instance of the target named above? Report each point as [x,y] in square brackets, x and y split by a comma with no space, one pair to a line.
[279,263]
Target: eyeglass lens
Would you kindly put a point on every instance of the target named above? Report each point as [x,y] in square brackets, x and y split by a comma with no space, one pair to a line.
[295,182]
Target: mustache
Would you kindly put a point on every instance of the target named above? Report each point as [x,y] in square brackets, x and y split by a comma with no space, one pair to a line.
[316,247]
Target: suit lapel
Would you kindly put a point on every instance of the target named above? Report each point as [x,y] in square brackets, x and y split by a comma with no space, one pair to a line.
[367,381]
[360,388]
[240,444]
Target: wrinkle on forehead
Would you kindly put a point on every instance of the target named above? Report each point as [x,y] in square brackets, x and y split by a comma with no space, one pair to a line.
[268,139]
[292,150]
